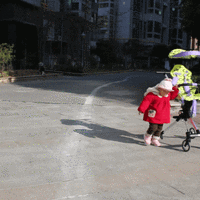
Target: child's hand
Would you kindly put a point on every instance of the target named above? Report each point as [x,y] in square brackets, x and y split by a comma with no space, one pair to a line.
[176,86]
[140,113]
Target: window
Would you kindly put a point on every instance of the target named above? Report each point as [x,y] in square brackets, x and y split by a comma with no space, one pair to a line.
[150,26]
[145,3]
[144,31]
[158,12]
[111,19]
[137,6]
[103,5]
[157,28]
[95,17]
[150,10]
[180,13]
[140,29]
[150,3]
[103,32]
[149,35]
[180,34]
[75,6]
[156,36]
[174,12]
[136,30]
[173,41]
[174,33]
[111,11]
[157,4]
[103,21]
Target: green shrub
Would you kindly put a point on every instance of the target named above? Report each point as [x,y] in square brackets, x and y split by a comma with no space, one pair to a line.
[5,73]
[6,56]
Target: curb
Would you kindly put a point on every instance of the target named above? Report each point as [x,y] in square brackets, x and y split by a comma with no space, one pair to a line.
[96,73]
[56,74]
[60,73]
[28,78]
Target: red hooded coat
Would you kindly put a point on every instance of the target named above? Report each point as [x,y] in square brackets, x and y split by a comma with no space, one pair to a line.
[156,109]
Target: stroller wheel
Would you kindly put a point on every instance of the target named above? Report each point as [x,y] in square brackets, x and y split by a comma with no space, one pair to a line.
[186,145]
[161,135]
[192,131]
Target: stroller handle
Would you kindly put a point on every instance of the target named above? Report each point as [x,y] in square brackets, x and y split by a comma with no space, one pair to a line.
[189,84]
[163,72]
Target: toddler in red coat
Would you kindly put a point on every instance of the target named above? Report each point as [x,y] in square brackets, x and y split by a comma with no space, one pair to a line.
[156,109]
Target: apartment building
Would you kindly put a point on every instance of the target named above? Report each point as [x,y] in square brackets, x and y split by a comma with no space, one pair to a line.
[43,30]
[150,21]
[106,14]
[86,13]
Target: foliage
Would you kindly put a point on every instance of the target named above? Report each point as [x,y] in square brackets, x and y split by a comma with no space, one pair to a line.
[93,61]
[106,50]
[191,13]
[6,56]
[133,47]
[160,50]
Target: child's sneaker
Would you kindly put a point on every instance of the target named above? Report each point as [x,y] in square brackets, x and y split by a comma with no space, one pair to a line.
[147,139]
[155,141]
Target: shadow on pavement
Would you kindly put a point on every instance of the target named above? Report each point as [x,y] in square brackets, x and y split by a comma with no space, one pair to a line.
[104,132]
[174,147]
[136,85]
[107,133]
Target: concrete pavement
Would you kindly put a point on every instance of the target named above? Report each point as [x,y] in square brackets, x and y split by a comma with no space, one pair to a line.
[57,149]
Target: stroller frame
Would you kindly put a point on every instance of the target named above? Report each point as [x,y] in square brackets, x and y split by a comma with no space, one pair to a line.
[184,114]
[191,133]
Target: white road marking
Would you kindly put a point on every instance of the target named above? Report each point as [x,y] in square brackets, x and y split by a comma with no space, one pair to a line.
[91,97]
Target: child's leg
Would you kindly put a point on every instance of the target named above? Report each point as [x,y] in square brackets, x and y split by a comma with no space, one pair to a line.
[152,128]
[150,132]
[156,135]
[158,131]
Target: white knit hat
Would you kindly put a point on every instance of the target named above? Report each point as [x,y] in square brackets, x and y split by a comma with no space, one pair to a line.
[166,84]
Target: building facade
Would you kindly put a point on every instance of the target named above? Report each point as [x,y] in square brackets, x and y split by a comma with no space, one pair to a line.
[21,22]
[151,21]
[47,30]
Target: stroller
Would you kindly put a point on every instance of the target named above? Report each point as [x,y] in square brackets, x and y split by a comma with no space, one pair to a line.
[188,94]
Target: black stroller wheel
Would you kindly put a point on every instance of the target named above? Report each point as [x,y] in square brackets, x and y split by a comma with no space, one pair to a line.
[186,145]
[192,131]
[161,135]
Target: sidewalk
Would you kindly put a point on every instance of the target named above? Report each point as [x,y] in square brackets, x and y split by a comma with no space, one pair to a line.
[59,73]
[29,78]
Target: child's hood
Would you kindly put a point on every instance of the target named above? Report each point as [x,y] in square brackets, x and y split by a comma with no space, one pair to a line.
[154,90]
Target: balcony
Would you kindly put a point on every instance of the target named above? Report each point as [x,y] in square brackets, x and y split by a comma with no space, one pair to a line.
[33,2]
[95,6]
[17,12]
[93,44]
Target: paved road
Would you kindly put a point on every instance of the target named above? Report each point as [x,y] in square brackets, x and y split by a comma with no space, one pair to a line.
[82,138]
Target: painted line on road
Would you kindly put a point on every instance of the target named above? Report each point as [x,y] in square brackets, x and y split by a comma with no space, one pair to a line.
[89,99]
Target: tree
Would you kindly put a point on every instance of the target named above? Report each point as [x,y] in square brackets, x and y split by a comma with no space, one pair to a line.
[134,48]
[6,56]
[106,51]
[190,10]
